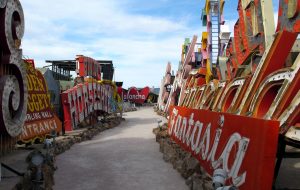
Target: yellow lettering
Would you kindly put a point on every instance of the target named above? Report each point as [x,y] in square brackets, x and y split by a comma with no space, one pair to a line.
[41,85]
[29,85]
[30,104]
[41,104]
[46,99]
[33,82]
[36,105]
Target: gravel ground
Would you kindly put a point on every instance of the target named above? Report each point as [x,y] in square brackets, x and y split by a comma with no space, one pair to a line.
[126,157]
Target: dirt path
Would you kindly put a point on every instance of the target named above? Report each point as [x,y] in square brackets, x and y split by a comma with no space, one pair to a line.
[126,157]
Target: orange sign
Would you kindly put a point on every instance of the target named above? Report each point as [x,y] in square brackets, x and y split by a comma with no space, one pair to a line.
[40,119]
[242,146]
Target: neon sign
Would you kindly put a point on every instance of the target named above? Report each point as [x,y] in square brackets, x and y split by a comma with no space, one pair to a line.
[13,83]
[233,143]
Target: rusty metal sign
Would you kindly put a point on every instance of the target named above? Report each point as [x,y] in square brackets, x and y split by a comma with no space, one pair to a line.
[13,83]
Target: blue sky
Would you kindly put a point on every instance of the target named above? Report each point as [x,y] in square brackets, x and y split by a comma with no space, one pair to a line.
[140,36]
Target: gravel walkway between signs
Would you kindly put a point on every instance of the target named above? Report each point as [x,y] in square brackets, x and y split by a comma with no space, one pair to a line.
[126,158]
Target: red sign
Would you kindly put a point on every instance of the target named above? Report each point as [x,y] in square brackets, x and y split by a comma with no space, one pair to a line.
[86,66]
[137,96]
[242,146]
[84,99]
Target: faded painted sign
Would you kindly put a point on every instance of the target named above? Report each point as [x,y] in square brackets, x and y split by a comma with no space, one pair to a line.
[83,100]
[40,118]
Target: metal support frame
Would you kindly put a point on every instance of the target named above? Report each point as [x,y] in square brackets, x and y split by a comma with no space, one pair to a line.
[214,13]
[268,21]
[9,169]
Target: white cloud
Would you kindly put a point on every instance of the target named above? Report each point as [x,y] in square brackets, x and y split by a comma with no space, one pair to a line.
[104,16]
[275,19]
[140,45]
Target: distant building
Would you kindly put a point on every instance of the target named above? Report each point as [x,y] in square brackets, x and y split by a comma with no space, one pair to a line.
[62,69]
[59,78]
[107,69]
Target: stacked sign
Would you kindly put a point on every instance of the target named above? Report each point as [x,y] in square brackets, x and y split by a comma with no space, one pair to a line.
[231,122]
[13,87]
[89,98]
[13,83]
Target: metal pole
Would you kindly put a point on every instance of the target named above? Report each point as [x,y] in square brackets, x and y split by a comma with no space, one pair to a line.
[122,104]
[11,169]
